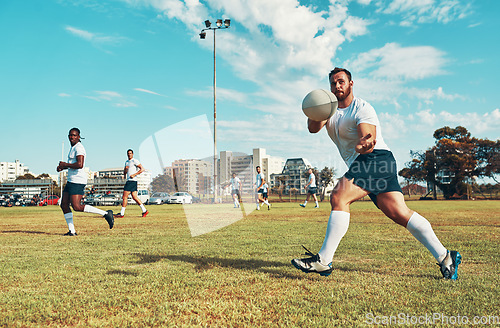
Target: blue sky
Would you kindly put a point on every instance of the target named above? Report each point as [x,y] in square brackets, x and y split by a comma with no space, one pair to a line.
[123,70]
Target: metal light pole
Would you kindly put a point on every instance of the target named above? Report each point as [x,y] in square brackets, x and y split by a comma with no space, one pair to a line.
[219,25]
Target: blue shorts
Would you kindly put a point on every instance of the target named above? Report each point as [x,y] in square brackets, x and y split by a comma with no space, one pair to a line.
[74,188]
[375,172]
[130,186]
[312,190]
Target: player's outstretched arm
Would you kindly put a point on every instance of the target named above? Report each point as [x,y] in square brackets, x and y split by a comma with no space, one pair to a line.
[315,126]
[367,138]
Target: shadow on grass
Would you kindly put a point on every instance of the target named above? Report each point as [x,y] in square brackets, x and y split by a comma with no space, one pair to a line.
[123,272]
[27,232]
[273,268]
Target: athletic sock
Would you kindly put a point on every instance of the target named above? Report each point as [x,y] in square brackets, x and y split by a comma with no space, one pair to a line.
[305,203]
[122,212]
[317,204]
[421,229]
[143,208]
[69,221]
[92,209]
[336,229]
[267,203]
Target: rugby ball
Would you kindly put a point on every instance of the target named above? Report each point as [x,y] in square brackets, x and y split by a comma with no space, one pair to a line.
[319,105]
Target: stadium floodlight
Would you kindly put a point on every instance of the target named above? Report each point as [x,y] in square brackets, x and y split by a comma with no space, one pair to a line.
[219,25]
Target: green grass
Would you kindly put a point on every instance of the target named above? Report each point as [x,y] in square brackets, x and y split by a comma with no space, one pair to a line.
[151,272]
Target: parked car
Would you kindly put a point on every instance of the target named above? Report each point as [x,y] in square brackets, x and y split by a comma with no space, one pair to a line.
[108,200]
[159,198]
[142,194]
[49,200]
[91,200]
[181,198]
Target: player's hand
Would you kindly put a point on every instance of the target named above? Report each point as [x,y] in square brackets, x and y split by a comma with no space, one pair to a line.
[366,144]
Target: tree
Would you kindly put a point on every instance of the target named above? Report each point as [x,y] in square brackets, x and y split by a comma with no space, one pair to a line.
[456,158]
[282,182]
[163,183]
[27,176]
[413,172]
[325,178]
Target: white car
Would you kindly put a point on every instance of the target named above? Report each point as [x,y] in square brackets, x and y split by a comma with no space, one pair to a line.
[181,198]
[159,198]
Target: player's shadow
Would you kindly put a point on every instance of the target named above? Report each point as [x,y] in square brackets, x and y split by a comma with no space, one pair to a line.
[26,232]
[208,263]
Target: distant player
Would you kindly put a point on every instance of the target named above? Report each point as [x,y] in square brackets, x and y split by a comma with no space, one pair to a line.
[236,190]
[130,172]
[355,130]
[311,189]
[259,183]
[77,179]
[265,190]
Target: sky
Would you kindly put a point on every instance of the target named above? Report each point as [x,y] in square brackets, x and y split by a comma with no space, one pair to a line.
[123,71]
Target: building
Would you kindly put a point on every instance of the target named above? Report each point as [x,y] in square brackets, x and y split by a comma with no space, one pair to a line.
[292,175]
[191,175]
[28,187]
[244,167]
[9,171]
[112,181]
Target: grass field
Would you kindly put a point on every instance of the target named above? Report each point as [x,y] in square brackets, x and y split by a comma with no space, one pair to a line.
[151,272]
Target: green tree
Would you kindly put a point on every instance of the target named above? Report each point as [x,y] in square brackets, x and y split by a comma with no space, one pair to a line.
[27,176]
[163,183]
[456,159]
[325,178]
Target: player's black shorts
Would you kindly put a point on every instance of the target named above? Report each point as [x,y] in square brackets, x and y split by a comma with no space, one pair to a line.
[235,192]
[264,194]
[375,172]
[74,188]
[130,186]
[312,190]
[260,191]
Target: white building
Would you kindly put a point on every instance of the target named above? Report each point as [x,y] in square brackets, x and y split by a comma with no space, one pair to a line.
[192,175]
[244,167]
[9,171]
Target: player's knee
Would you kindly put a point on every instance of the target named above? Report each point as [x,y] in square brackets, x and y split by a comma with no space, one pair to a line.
[78,207]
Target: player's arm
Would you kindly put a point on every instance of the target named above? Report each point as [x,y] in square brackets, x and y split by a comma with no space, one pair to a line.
[141,169]
[315,126]
[367,138]
[80,159]
[125,170]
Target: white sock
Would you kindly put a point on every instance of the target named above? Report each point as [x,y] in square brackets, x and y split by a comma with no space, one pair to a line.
[122,212]
[267,203]
[336,229]
[143,208]
[69,221]
[317,204]
[421,229]
[92,209]
[305,203]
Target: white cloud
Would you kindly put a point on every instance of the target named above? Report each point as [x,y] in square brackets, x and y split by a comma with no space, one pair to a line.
[62,94]
[425,11]
[394,62]
[96,39]
[148,91]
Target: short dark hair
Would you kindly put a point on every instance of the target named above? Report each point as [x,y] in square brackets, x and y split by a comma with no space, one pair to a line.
[77,130]
[130,150]
[337,70]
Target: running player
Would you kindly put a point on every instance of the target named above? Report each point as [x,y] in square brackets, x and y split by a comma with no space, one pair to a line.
[130,172]
[77,179]
[311,189]
[355,129]
[236,190]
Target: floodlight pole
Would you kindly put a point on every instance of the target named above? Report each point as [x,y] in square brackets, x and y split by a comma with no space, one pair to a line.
[202,36]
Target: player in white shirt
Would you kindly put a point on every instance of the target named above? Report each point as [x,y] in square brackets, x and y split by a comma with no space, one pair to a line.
[77,179]
[259,183]
[130,172]
[355,130]
[311,189]
[236,190]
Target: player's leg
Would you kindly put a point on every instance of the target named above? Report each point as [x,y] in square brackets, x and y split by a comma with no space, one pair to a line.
[126,193]
[138,202]
[76,203]
[344,193]
[315,200]
[68,215]
[394,207]
[307,199]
